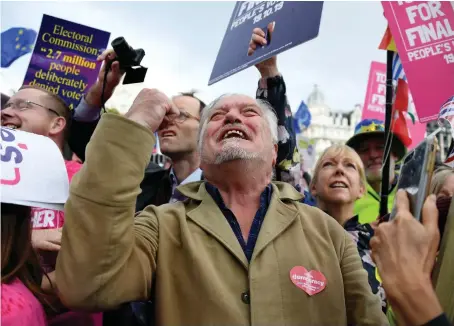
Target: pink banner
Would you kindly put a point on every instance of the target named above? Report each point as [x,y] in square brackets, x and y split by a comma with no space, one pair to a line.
[424,36]
[375,102]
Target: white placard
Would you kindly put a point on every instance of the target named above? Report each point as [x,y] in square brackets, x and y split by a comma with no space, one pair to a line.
[33,171]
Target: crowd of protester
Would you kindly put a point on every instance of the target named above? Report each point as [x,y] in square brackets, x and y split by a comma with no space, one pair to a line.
[213,238]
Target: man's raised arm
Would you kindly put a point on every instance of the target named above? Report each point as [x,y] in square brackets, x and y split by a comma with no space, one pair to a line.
[105,259]
[87,114]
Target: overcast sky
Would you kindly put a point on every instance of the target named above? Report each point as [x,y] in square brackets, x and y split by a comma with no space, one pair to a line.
[181,40]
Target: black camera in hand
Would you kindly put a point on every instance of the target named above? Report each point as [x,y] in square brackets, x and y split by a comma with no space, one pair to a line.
[129,59]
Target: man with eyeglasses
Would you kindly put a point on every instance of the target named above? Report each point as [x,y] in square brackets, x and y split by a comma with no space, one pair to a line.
[38,111]
[178,141]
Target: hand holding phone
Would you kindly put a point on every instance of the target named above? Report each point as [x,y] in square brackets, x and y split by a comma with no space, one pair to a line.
[416,174]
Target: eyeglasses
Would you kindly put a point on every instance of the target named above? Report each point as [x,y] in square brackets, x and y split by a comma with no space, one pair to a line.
[183,117]
[26,105]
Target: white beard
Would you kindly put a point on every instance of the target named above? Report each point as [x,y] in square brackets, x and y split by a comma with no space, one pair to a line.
[232,151]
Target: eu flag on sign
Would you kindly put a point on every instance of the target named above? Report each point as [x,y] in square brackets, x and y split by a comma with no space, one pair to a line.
[16,42]
[302,118]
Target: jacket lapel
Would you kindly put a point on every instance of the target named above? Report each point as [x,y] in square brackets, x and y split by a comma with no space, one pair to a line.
[277,219]
[209,217]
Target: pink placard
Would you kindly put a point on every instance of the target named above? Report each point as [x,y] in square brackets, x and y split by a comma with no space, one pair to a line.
[424,36]
[375,102]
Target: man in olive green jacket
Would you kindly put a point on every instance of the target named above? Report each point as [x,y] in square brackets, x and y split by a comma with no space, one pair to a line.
[240,250]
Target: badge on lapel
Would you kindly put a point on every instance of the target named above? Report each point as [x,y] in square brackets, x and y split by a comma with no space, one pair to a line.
[311,282]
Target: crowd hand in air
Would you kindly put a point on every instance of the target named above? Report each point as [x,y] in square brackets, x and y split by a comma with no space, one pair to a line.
[404,251]
[114,76]
[267,68]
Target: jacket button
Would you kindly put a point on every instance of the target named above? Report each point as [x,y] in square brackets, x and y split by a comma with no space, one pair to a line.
[245,297]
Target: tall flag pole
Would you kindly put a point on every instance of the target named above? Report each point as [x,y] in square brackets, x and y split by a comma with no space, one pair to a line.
[396,111]
[388,117]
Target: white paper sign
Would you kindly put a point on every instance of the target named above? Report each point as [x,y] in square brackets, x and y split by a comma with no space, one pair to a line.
[33,171]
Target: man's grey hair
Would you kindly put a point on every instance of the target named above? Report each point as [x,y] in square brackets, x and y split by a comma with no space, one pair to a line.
[267,110]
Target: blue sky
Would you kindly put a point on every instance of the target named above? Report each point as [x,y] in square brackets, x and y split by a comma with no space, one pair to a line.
[181,40]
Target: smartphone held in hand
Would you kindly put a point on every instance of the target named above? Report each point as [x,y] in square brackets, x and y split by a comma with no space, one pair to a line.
[416,174]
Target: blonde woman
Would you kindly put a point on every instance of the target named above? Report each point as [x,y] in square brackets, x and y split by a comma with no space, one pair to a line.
[339,180]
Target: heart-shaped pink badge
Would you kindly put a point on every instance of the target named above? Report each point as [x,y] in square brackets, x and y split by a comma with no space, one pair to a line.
[311,282]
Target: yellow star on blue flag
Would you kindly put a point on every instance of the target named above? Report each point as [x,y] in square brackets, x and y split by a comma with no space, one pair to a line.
[16,42]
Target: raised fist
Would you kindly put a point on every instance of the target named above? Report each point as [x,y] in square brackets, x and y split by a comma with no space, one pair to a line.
[151,108]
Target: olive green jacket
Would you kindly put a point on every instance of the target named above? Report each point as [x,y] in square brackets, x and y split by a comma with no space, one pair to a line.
[190,253]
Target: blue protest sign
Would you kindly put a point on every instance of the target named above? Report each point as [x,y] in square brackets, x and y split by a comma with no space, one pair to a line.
[295,23]
[64,58]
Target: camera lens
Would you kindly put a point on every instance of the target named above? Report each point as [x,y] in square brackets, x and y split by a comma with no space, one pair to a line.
[121,47]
